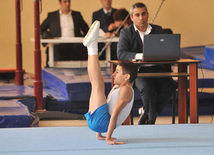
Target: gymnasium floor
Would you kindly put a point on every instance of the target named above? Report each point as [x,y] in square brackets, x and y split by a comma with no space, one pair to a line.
[185,139]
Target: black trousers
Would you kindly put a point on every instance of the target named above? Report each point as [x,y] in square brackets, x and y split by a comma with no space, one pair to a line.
[155,92]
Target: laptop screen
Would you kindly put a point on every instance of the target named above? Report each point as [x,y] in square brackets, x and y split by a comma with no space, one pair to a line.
[161,47]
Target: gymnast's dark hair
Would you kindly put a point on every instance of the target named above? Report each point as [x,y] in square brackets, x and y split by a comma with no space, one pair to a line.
[129,68]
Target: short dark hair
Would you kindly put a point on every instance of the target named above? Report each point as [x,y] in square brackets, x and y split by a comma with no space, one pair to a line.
[129,68]
[137,5]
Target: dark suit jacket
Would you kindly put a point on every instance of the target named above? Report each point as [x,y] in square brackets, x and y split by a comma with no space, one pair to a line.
[104,20]
[130,43]
[51,25]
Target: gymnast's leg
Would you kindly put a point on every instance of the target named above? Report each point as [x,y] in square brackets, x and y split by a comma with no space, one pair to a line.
[97,97]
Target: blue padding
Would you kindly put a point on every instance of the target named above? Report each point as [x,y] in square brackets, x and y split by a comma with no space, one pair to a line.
[13,91]
[13,114]
[56,102]
[209,53]
[197,53]
[24,94]
[73,83]
[30,102]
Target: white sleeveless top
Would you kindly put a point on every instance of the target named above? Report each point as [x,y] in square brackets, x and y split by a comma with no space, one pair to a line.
[112,99]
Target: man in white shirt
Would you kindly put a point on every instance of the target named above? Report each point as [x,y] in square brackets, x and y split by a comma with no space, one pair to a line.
[65,23]
[155,92]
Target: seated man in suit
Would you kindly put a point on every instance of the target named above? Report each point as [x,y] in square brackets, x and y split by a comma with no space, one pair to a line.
[155,92]
[65,23]
[105,16]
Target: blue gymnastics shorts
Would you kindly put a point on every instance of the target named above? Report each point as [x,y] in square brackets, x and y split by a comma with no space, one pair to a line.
[99,120]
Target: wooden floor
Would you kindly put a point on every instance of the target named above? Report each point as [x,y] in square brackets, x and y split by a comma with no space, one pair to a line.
[160,120]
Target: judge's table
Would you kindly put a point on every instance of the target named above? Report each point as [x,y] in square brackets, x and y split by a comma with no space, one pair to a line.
[71,64]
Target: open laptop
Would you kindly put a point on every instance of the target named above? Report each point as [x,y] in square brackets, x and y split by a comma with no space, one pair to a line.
[161,47]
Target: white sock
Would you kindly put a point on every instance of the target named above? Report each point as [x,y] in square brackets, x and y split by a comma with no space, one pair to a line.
[93,48]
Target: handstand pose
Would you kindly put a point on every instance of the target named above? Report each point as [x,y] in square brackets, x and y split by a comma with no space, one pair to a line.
[107,114]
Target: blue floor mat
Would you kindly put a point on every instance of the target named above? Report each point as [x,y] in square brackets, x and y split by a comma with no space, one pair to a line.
[13,114]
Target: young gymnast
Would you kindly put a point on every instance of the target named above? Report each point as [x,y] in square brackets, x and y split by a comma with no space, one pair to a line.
[105,115]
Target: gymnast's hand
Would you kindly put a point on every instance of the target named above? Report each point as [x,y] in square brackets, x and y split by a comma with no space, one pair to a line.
[111,142]
[100,137]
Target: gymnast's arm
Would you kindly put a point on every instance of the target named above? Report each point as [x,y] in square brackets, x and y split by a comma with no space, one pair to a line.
[125,95]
